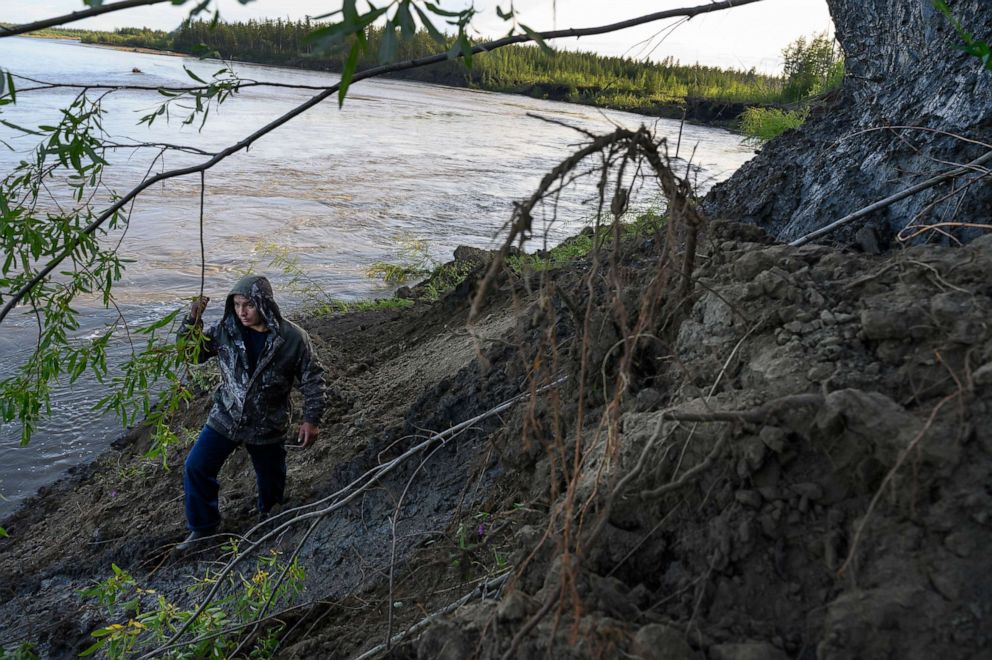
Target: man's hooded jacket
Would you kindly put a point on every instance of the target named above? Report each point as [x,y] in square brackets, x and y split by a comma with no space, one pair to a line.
[254,407]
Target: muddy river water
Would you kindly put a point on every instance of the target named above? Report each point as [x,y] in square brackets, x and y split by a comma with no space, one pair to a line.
[335,190]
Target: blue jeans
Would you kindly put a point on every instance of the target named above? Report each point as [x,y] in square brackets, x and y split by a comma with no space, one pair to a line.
[203,464]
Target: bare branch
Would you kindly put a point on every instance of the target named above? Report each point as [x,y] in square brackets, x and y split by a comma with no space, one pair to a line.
[891,199]
[24,28]
[42,85]
[488,586]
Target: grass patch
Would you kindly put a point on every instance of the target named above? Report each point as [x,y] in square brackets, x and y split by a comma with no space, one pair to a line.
[762,124]
[364,305]
[414,261]
[580,245]
[444,278]
[393,273]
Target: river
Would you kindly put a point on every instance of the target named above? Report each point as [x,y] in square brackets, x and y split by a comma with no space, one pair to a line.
[336,188]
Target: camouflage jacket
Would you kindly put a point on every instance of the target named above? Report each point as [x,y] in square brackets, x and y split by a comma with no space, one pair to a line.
[255,408]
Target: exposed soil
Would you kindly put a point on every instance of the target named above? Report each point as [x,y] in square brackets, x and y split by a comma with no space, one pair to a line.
[849,522]
[911,104]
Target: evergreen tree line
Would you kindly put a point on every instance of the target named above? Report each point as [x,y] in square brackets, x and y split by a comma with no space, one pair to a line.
[616,82]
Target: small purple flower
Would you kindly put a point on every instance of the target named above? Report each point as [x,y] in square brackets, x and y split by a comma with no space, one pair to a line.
[482,530]
[113,493]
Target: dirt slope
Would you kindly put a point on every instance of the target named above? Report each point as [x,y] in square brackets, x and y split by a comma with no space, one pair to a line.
[661,527]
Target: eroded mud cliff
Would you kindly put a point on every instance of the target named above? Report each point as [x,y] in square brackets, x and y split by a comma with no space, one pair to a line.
[912,105]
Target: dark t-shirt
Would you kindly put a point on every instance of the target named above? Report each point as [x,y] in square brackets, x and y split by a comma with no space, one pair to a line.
[254,345]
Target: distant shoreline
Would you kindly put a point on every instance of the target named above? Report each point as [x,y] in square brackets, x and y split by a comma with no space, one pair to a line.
[701,112]
[127,49]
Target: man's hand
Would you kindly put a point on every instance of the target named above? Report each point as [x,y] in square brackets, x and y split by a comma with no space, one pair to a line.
[197,308]
[308,435]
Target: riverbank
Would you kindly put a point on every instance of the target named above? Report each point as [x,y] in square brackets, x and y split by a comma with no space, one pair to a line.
[700,94]
[797,468]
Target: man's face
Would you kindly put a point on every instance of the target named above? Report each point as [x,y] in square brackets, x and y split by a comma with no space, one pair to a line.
[246,311]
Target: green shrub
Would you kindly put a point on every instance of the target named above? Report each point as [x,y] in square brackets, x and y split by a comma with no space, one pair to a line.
[811,67]
[763,124]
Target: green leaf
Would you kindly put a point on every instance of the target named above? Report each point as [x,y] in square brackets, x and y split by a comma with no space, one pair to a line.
[162,322]
[19,128]
[434,33]
[441,12]
[329,34]
[536,38]
[96,647]
[505,15]
[349,70]
[387,47]
[463,47]
[350,13]
[3,533]
[192,75]
[404,20]
[10,86]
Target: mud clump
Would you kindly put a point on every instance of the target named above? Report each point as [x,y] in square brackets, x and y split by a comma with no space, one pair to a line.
[794,463]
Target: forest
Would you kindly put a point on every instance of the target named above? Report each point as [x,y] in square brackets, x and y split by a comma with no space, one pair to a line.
[662,88]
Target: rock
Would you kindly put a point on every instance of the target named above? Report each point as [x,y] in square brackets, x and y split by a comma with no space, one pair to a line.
[444,641]
[903,68]
[473,254]
[870,239]
[811,491]
[890,321]
[776,283]
[660,642]
[983,375]
[514,606]
[749,498]
[820,372]
[774,438]
[751,263]
[648,399]
[785,366]
[746,651]
[950,306]
[754,452]
[855,420]
[960,543]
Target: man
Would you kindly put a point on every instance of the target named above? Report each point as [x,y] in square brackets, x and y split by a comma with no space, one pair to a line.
[261,355]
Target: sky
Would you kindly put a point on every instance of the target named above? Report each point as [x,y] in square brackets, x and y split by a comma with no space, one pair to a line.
[744,37]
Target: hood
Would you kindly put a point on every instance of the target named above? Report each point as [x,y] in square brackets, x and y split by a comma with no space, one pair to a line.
[257,289]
